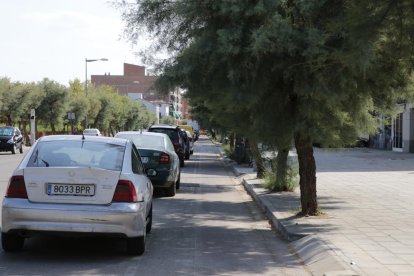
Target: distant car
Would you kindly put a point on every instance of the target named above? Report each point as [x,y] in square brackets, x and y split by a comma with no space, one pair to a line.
[174,132]
[187,128]
[191,140]
[75,184]
[92,132]
[157,153]
[186,140]
[11,139]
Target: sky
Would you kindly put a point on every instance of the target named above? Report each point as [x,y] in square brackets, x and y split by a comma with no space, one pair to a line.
[52,38]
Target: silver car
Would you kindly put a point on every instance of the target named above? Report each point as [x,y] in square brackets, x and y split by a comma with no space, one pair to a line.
[79,184]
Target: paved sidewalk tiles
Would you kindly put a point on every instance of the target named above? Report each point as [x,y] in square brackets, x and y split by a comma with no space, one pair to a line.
[368,223]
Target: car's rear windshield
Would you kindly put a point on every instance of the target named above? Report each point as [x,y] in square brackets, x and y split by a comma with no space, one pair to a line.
[144,141]
[77,153]
[172,133]
[6,131]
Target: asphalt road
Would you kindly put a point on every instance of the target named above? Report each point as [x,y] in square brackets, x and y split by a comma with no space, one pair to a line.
[211,227]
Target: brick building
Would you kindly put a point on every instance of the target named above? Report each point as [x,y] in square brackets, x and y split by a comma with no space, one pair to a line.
[138,85]
[133,83]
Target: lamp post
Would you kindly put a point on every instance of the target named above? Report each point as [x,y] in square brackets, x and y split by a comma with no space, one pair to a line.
[86,82]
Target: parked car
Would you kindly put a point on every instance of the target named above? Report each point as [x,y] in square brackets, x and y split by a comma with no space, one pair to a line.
[174,132]
[191,140]
[157,153]
[11,139]
[186,144]
[92,132]
[75,184]
[187,128]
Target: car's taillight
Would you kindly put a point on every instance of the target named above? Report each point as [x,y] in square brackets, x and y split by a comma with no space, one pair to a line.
[125,192]
[164,158]
[17,187]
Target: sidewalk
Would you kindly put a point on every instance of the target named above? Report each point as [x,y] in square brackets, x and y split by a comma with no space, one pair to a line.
[367,228]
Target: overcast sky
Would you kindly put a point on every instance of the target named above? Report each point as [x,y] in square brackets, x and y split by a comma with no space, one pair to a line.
[52,38]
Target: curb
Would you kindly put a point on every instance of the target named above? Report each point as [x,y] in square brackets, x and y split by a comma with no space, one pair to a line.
[316,254]
[287,235]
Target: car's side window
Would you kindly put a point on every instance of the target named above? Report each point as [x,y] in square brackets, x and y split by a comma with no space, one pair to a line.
[137,166]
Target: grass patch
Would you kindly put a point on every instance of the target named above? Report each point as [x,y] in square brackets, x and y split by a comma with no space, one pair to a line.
[227,151]
[292,180]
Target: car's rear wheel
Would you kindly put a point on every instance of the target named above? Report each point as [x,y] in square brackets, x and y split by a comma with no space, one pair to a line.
[171,190]
[149,221]
[177,184]
[12,242]
[136,246]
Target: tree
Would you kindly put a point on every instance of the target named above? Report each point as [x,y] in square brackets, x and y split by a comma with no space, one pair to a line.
[52,108]
[77,103]
[317,69]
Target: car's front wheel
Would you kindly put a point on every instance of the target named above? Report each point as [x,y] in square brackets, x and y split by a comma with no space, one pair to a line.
[171,190]
[136,246]
[12,242]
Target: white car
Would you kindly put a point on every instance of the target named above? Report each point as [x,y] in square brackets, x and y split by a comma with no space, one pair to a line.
[92,132]
[79,184]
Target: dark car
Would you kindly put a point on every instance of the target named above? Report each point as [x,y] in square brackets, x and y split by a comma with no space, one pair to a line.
[186,144]
[174,132]
[11,139]
[157,153]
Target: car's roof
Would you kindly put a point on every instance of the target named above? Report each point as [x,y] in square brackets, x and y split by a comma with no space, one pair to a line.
[164,126]
[146,133]
[102,139]
[93,129]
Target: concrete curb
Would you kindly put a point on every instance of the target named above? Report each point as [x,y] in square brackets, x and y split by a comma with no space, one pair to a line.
[276,223]
[312,249]
[316,254]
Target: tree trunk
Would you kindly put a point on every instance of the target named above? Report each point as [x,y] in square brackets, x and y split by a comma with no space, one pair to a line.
[52,126]
[231,142]
[307,172]
[281,168]
[257,159]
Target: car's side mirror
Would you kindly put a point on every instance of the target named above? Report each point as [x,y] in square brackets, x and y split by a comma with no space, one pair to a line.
[151,172]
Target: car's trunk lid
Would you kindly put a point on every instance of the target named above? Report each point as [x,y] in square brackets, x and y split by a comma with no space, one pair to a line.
[70,185]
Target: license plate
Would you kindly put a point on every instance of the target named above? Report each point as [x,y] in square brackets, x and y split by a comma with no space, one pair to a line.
[144,159]
[71,189]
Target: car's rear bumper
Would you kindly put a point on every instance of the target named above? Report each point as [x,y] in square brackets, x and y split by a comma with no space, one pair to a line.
[121,219]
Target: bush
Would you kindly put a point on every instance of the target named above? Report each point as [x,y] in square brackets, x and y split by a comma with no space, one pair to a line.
[227,151]
[292,179]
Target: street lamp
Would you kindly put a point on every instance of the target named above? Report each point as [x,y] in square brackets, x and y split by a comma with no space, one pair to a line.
[86,82]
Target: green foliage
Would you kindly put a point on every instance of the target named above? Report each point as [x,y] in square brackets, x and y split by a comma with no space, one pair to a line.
[52,108]
[105,108]
[168,120]
[292,179]
[228,152]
